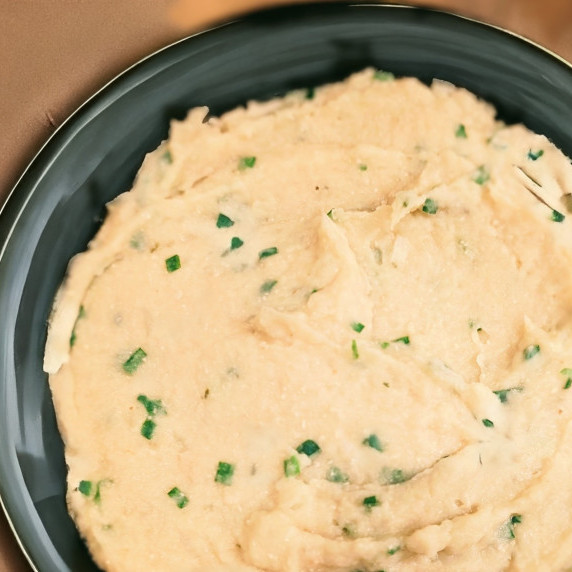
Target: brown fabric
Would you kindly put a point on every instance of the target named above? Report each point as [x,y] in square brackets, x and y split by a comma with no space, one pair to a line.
[56,53]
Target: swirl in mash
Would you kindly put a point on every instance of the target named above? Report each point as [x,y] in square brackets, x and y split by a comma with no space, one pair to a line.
[327,333]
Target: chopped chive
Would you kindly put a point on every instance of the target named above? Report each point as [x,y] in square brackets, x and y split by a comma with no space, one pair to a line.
[530,351]
[267,252]
[481,175]
[148,428]
[394,476]
[310,93]
[179,497]
[246,163]
[534,155]
[503,394]
[224,473]
[507,531]
[133,362]
[568,383]
[384,345]
[308,447]
[80,315]
[392,551]
[373,442]
[267,286]
[291,466]
[330,214]
[173,263]
[370,502]
[381,75]
[84,487]
[461,132]
[223,221]
[567,371]
[335,475]
[357,327]
[355,351]
[152,406]
[430,206]
[362,167]
[403,339]
[167,157]
[487,423]
[557,216]
[235,243]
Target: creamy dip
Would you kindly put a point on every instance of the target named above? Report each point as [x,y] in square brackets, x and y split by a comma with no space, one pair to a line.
[329,332]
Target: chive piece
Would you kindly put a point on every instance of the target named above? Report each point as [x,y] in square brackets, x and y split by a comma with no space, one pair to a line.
[534,155]
[173,263]
[395,476]
[148,428]
[530,351]
[481,175]
[132,363]
[167,157]
[362,167]
[355,351]
[503,394]
[508,528]
[430,206]
[267,252]
[179,497]
[235,243]
[335,475]
[246,163]
[370,502]
[403,339]
[381,75]
[291,466]
[384,345]
[567,371]
[392,551]
[461,132]
[152,406]
[357,327]
[267,286]
[84,488]
[308,447]
[223,221]
[330,214]
[80,314]
[568,383]
[373,442]
[224,473]
[487,423]
[310,93]
[557,216]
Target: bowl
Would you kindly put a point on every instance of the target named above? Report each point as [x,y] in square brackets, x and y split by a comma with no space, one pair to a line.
[59,202]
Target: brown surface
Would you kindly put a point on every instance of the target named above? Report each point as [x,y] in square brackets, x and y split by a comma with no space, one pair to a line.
[55,54]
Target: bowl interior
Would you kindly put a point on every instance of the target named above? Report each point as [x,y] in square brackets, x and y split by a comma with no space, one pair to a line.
[60,201]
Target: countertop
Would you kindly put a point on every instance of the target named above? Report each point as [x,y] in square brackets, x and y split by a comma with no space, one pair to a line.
[55,54]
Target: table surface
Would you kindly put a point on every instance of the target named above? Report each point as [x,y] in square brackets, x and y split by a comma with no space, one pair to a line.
[54,55]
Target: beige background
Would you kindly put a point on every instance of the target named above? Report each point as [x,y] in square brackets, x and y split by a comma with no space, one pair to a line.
[55,53]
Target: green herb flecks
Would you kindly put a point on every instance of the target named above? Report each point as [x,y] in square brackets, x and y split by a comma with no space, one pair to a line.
[530,351]
[392,551]
[246,163]
[291,466]
[235,243]
[181,500]
[173,263]
[167,157]
[148,428]
[92,490]
[430,206]
[567,373]
[85,487]
[357,327]
[503,394]
[133,362]
[394,476]
[80,315]
[507,530]
[152,406]
[373,442]
[557,216]
[310,93]
[355,351]
[461,132]
[308,448]
[402,340]
[481,175]
[381,75]
[268,286]
[362,167]
[370,502]
[487,423]
[267,252]
[336,475]
[224,473]
[534,155]
[224,221]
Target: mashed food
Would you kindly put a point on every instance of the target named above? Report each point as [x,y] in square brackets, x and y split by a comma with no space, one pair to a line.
[326,333]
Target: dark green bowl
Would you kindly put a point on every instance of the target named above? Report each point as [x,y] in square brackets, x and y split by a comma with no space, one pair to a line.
[59,202]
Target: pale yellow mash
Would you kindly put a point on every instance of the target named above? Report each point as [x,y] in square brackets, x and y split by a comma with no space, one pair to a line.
[330,332]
